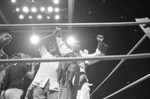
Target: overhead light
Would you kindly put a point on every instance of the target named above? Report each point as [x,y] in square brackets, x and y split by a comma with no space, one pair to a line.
[34,9]
[30,17]
[39,16]
[32,0]
[48,17]
[21,17]
[71,40]
[56,1]
[25,9]
[50,9]
[57,9]
[17,9]
[42,9]
[34,39]
[13,1]
[57,17]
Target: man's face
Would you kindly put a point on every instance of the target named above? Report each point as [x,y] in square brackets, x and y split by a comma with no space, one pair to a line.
[76,47]
[52,48]
[42,50]
[5,39]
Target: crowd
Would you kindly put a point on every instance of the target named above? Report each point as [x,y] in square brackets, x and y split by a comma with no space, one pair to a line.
[53,80]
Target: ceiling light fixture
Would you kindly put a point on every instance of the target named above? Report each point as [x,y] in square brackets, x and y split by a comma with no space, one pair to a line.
[57,9]
[13,1]
[50,9]
[34,9]
[17,9]
[71,40]
[30,17]
[56,1]
[48,17]
[57,17]
[39,16]
[34,39]
[42,9]
[21,17]
[32,0]
[25,9]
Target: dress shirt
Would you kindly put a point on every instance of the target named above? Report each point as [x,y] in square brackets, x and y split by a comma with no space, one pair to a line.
[47,71]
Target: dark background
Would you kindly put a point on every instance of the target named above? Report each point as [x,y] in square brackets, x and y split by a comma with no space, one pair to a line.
[120,39]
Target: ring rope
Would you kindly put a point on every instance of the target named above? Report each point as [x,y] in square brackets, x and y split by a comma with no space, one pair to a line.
[128,86]
[108,57]
[119,64]
[75,24]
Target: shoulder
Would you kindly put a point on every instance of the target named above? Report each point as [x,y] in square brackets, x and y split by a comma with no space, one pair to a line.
[23,67]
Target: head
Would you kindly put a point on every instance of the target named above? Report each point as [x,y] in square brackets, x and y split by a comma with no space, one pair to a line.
[52,48]
[25,56]
[42,50]
[20,56]
[76,46]
[15,56]
[5,38]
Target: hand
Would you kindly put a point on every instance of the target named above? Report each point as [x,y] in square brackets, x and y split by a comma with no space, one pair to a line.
[34,65]
[99,37]
[58,28]
[57,32]
[29,94]
[90,84]
[103,47]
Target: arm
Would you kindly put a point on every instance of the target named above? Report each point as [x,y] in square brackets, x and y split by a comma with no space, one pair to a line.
[103,47]
[100,51]
[30,74]
[2,74]
[29,92]
[90,62]
[63,48]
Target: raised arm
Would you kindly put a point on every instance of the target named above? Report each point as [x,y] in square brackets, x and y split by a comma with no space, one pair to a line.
[63,48]
[100,51]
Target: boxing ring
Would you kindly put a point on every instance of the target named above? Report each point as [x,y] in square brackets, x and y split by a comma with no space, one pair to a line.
[141,22]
